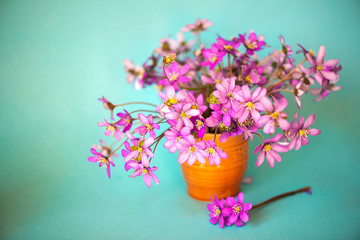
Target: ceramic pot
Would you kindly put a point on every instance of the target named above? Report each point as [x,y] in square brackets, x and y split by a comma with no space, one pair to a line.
[224,180]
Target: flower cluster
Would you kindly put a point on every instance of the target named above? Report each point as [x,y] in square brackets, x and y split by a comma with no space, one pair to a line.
[222,89]
[229,211]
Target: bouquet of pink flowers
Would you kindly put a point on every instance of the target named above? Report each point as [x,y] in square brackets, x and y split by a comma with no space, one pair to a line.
[222,89]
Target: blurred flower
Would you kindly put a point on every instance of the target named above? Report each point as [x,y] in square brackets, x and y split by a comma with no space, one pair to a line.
[198,26]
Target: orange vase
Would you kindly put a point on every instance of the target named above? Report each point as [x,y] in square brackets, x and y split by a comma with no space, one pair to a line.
[204,180]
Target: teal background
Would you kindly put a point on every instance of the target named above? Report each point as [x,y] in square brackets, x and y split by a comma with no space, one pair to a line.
[58,57]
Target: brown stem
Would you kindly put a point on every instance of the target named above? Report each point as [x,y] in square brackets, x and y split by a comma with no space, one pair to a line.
[230,66]
[268,58]
[258,136]
[145,103]
[287,77]
[280,90]
[117,148]
[304,189]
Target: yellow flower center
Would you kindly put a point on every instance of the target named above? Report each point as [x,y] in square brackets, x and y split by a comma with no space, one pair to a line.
[111,128]
[302,132]
[267,147]
[228,47]
[174,77]
[211,150]
[173,100]
[128,120]
[275,115]
[248,79]
[230,95]
[214,59]
[217,211]
[103,160]
[250,45]
[199,123]
[218,81]
[183,115]
[311,52]
[319,68]
[148,126]
[250,105]
[140,149]
[168,60]
[194,107]
[192,149]
[145,171]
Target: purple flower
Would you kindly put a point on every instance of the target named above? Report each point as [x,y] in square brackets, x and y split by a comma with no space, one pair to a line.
[148,126]
[228,94]
[253,43]
[215,77]
[326,89]
[198,26]
[248,127]
[191,150]
[252,74]
[182,113]
[216,211]
[141,151]
[322,69]
[270,148]
[175,75]
[111,128]
[199,125]
[103,161]
[213,56]
[214,153]
[250,103]
[108,105]
[125,120]
[300,131]
[174,134]
[144,169]
[220,114]
[238,211]
[132,71]
[274,115]
[227,132]
[226,45]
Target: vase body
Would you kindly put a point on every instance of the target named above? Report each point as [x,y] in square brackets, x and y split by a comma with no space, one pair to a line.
[204,180]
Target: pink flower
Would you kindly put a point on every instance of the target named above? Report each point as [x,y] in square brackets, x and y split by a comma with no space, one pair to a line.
[253,43]
[300,131]
[215,77]
[250,103]
[103,161]
[274,115]
[175,74]
[213,56]
[198,26]
[111,128]
[216,211]
[170,98]
[227,46]
[144,169]
[270,148]
[199,125]
[238,211]
[141,151]
[228,94]
[322,69]
[182,113]
[214,153]
[191,151]
[196,102]
[125,120]
[148,126]
[174,134]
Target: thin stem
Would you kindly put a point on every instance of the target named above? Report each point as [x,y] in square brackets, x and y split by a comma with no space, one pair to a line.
[280,90]
[287,77]
[268,58]
[145,103]
[230,66]
[166,75]
[216,130]
[117,148]
[258,136]
[193,88]
[304,189]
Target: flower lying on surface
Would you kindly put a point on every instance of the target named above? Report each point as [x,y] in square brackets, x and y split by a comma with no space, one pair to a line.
[230,211]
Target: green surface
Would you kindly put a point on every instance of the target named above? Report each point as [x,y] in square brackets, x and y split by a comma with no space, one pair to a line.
[58,57]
